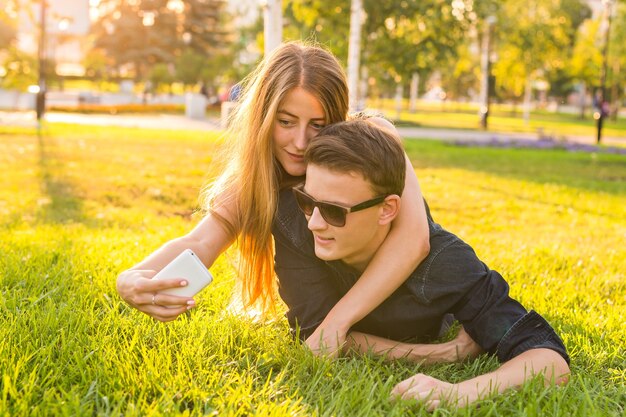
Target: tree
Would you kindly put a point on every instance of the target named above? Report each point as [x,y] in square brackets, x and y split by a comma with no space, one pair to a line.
[413,37]
[617,58]
[193,68]
[460,77]
[562,80]
[160,76]
[21,70]
[205,22]
[96,64]
[139,34]
[144,33]
[534,39]
[399,38]
[562,84]
[8,32]
[586,59]
[189,67]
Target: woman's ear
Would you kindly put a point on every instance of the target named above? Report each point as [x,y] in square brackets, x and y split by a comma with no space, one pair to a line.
[390,209]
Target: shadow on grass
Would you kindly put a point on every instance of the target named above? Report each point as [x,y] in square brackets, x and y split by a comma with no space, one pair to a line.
[65,206]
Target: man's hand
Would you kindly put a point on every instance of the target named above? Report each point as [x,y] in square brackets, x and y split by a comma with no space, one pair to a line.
[327,340]
[430,391]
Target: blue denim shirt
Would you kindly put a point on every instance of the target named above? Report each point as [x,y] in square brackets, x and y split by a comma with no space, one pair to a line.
[450,280]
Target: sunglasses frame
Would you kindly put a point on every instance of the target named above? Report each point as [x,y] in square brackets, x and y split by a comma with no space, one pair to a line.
[298,192]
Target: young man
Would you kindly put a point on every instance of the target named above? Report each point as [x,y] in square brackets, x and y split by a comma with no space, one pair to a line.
[354,179]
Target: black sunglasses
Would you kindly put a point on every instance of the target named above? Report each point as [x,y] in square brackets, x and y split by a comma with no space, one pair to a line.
[334,214]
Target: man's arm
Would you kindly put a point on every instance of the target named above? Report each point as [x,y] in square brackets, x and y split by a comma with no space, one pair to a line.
[523,341]
[459,349]
[433,392]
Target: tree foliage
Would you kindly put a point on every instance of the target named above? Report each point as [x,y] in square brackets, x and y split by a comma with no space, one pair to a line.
[399,37]
[21,70]
[534,38]
[617,56]
[141,34]
[8,30]
[586,60]
[160,76]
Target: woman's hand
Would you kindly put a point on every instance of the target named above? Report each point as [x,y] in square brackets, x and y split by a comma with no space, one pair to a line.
[140,291]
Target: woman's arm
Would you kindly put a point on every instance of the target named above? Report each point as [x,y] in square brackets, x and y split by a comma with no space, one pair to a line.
[404,248]
[136,286]
[461,348]
[511,374]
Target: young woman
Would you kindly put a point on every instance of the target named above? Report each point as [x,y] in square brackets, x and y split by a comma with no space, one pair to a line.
[290,96]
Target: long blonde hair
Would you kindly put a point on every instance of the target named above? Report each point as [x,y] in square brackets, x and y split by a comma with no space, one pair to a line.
[252,174]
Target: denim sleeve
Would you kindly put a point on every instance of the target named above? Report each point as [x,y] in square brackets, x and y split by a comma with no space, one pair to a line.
[502,324]
[455,281]
[304,285]
[530,332]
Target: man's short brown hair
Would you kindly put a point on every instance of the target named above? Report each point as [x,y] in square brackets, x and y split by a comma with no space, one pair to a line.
[362,147]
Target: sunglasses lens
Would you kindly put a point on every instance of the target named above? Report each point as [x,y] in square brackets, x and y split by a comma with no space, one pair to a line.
[334,215]
[305,203]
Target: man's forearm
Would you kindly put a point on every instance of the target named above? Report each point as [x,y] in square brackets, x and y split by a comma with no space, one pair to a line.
[513,374]
[434,392]
[425,353]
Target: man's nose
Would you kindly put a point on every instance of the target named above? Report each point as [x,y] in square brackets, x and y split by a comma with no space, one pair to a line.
[316,221]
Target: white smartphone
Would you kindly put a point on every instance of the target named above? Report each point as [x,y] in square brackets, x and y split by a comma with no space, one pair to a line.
[187,266]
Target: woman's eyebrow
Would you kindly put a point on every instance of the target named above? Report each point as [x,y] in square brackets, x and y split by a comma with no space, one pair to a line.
[296,117]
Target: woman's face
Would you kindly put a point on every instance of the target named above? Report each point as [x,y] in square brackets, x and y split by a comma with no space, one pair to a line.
[300,117]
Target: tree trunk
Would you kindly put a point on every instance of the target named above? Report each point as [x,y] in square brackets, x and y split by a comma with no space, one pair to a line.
[415,81]
[583,99]
[398,100]
[272,25]
[527,98]
[354,52]
[363,86]
[615,93]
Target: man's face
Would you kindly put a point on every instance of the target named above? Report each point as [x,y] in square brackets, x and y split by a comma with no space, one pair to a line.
[357,241]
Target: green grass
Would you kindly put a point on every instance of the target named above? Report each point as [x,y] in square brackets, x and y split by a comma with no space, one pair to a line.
[503,118]
[80,204]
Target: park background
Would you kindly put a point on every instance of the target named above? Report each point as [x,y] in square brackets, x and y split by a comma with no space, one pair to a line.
[112,166]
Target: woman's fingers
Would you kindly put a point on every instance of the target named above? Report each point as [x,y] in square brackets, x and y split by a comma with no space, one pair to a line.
[164,314]
[166,300]
[147,284]
[140,290]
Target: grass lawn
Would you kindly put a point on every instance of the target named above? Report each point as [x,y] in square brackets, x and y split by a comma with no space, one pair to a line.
[502,118]
[80,204]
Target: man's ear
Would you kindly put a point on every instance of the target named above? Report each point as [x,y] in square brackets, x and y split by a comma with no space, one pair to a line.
[390,209]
